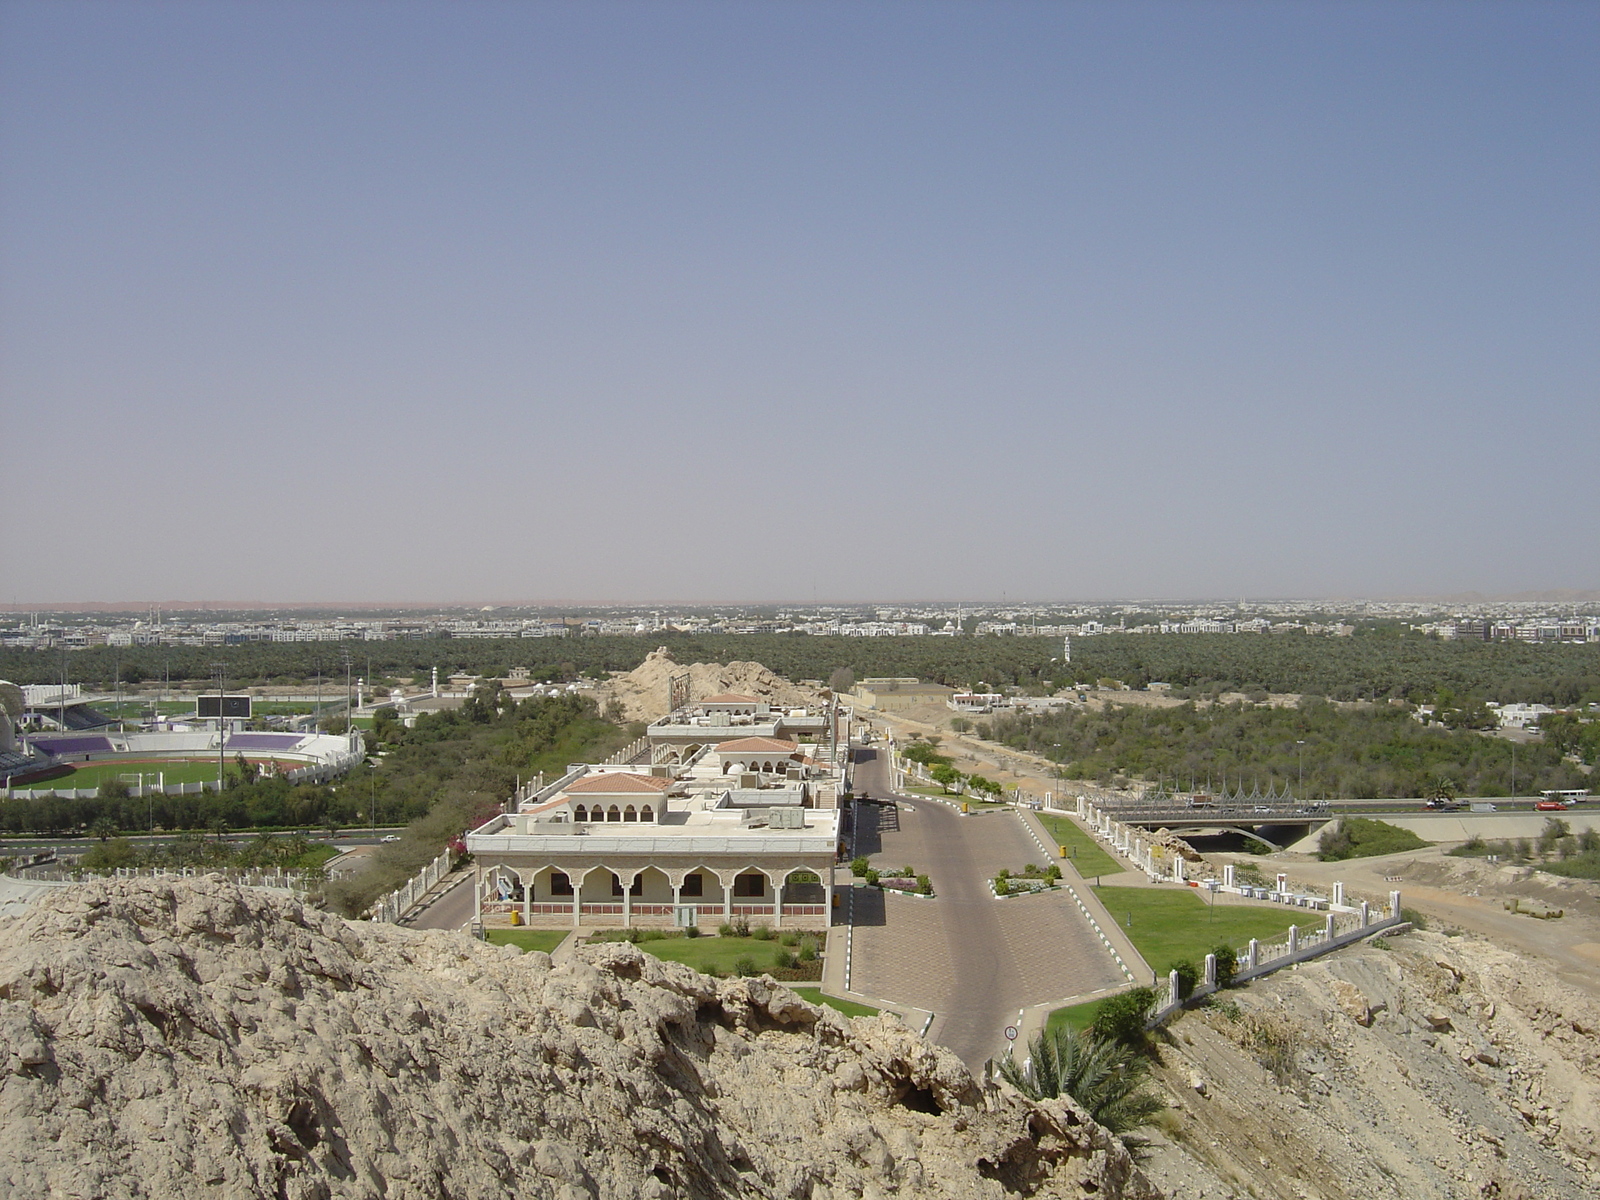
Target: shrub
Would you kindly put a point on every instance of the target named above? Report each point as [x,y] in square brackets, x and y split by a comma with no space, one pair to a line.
[692,931]
[790,938]
[907,872]
[761,933]
[741,927]
[1121,1018]
[808,950]
[1031,870]
[1361,837]
[745,965]
[871,877]
[924,885]
[1227,965]
[1002,885]
[860,865]
[725,930]
[785,960]
[1188,977]
[1053,872]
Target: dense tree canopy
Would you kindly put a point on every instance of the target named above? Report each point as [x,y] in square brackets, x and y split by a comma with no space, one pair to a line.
[1384,665]
[1347,752]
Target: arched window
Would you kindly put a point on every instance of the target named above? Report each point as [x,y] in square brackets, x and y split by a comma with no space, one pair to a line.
[580,813]
[613,814]
[630,814]
[647,813]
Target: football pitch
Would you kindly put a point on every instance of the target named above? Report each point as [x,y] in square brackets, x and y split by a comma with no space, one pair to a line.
[171,770]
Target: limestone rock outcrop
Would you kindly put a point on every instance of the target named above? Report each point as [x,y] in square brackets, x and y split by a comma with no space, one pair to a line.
[198,1039]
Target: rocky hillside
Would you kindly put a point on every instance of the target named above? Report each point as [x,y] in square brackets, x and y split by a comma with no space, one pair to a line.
[199,1039]
[642,691]
[1423,1067]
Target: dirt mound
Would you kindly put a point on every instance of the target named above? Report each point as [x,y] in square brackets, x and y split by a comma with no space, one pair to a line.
[175,1040]
[643,691]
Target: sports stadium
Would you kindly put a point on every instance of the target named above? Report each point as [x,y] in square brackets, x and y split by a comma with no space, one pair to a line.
[72,760]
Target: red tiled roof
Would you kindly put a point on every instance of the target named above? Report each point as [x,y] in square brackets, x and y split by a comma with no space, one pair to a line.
[617,783]
[757,745]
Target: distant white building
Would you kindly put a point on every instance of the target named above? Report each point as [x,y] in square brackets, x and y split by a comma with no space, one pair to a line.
[1521,716]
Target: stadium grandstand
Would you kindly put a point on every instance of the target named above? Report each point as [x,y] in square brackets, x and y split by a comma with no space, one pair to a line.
[61,706]
[31,755]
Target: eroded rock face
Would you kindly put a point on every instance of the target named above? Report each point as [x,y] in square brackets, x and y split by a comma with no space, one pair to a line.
[192,1039]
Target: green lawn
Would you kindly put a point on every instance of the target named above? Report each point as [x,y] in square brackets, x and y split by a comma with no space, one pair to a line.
[1170,924]
[1079,1016]
[719,953]
[529,939]
[1082,850]
[175,770]
[848,1007]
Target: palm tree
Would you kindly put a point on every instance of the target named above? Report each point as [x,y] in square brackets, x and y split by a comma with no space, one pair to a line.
[1103,1077]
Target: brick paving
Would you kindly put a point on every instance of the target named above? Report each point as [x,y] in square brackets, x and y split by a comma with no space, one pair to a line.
[973,960]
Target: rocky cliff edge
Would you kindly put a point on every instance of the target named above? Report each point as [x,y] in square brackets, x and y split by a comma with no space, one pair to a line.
[199,1039]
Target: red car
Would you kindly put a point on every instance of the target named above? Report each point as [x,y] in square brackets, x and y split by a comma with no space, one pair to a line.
[1550,806]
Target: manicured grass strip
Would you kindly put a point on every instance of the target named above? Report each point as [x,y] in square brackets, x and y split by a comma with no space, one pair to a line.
[720,953]
[1082,850]
[848,1007]
[1171,924]
[529,939]
[1079,1016]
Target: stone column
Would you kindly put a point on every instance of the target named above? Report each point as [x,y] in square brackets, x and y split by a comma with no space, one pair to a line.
[1252,958]
[1329,929]
[527,898]
[1177,868]
[477,894]
[827,899]
[1211,970]
[1227,876]
[1394,904]
[1294,939]
[577,900]
[1172,987]
[627,898]
[1366,915]
[1338,894]
[777,902]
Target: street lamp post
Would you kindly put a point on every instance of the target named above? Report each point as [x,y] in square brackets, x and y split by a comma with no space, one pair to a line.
[1302,747]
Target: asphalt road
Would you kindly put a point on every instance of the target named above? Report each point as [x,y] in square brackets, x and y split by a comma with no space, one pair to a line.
[985,980]
[450,911]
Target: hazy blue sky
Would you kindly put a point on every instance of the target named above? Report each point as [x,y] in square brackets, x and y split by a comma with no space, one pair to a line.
[656,301]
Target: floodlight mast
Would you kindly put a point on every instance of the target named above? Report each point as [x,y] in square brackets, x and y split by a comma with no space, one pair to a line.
[220,670]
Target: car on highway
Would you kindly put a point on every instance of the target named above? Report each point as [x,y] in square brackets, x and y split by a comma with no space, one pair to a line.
[390,837]
[1550,806]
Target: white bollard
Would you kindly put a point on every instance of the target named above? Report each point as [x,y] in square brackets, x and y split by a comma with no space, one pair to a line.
[1211,970]
[1327,927]
[1294,939]
[1394,904]
[1366,915]
[1253,957]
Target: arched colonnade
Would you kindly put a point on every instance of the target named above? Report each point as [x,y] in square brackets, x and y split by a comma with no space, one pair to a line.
[621,892]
